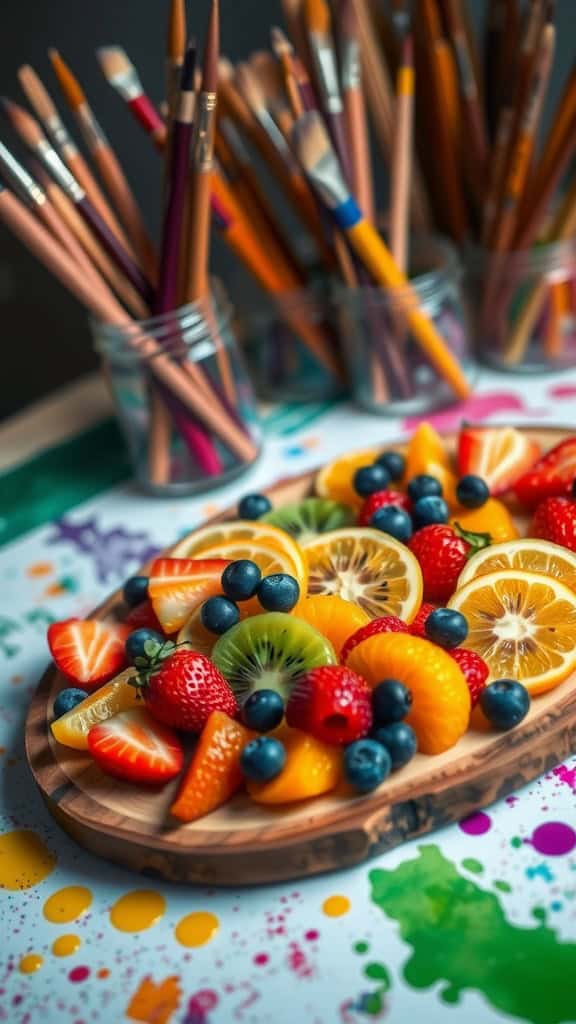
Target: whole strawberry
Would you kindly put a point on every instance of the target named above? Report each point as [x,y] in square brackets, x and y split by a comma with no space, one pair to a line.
[416,628]
[331,703]
[379,500]
[555,520]
[182,688]
[474,669]
[442,552]
[385,624]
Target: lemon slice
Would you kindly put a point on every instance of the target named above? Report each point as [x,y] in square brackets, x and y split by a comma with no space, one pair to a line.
[118,695]
[528,555]
[367,567]
[335,480]
[523,624]
[195,544]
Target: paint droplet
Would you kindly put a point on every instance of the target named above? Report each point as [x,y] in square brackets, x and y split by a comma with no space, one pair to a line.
[103,973]
[138,910]
[336,906]
[67,904]
[378,972]
[539,914]
[260,959]
[361,947]
[39,569]
[78,974]
[24,860]
[473,865]
[516,842]
[311,935]
[197,929]
[503,886]
[476,824]
[554,839]
[31,963]
[66,945]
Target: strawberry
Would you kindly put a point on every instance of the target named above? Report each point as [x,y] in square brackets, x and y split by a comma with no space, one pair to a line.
[133,746]
[551,477]
[385,624]
[500,455]
[214,773]
[442,552]
[178,586]
[182,687]
[331,703]
[87,651]
[416,628]
[378,500]
[143,616]
[474,669]
[555,520]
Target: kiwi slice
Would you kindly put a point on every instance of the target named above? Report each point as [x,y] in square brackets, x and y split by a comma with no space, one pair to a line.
[269,652]
[307,518]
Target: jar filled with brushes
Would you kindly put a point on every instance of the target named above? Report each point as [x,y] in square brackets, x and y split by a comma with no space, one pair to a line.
[402,344]
[526,307]
[183,397]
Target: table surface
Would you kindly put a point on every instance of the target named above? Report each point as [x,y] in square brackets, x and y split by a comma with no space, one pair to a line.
[476,923]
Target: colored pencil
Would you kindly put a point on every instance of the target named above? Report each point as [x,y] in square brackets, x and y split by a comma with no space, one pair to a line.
[400,173]
[355,113]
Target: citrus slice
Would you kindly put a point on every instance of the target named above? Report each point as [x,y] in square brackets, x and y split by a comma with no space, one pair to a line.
[72,728]
[427,455]
[332,616]
[214,534]
[335,480]
[526,554]
[367,567]
[493,518]
[523,624]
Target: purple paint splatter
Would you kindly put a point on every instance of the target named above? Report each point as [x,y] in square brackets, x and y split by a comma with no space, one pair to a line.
[476,824]
[554,839]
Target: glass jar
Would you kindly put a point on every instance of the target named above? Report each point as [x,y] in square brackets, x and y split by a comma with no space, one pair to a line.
[526,304]
[183,397]
[389,372]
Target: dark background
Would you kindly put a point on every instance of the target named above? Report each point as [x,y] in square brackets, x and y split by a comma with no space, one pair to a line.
[45,341]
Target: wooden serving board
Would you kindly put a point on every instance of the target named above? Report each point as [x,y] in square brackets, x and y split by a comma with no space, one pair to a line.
[243,843]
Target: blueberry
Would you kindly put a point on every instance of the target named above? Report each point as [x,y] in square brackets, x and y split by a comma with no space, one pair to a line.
[369,479]
[366,764]
[219,614]
[393,520]
[136,644]
[394,463]
[430,510]
[263,759]
[135,590]
[446,628]
[391,701]
[240,580]
[472,491]
[279,592]
[400,741]
[263,710]
[254,506]
[68,699]
[505,703]
[424,486]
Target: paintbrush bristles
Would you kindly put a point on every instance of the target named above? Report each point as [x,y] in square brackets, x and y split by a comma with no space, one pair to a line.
[319,160]
[280,43]
[317,14]
[249,86]
[114,62]
[23,123]
[36,93]
[211,51]
[68,82]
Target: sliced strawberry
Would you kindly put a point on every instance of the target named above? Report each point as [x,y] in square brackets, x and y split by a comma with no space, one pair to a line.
[214,773]
[87,651]
[135,747]
[178,585]
[500,455]
[143,616]
[551,477]
[379,500]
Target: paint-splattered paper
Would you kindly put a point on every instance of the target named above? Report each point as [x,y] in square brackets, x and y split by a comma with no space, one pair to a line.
[475,924]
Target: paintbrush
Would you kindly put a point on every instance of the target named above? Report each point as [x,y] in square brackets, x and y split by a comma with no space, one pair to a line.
[284,52]
[319,27]
[108,165]
[32,135]
[400,171]
[355,110]
[321,165]
[175,53]
[42,105]
[253,94]
[269,75]
[475,150]
[121,74]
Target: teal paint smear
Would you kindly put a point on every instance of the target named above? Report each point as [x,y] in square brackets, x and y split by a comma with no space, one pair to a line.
[460,936]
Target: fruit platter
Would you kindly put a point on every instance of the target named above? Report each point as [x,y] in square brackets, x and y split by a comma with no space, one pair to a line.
[358,656]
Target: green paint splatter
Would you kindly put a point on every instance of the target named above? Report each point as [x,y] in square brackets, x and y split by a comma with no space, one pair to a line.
[503,886]
[539,914]
[516,842]
[459,935]
[378,972]
[473,865]
[361,947]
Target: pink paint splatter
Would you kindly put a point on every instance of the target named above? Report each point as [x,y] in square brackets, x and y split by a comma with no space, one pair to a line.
[78,974]
[312,935]
[298,962]
[479,407]
[260,959]
[566,775]
[553,839]
[511,800]
[476,824]
[562,391]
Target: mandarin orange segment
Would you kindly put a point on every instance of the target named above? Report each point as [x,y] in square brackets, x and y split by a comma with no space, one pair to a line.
[336,480]
[118,695]
[336,618]
[493,518]
[214,774]
[311,768]
[441,699]
[427,455]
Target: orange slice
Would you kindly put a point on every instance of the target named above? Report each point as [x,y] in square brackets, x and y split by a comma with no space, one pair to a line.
[335,480]
[367,567]
[427,455]
[522,624]
[332,616]
[528,555]
[72,728]
[493,518]
[246,530]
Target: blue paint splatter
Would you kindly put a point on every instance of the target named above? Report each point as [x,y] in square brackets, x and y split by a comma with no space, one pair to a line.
[540,871]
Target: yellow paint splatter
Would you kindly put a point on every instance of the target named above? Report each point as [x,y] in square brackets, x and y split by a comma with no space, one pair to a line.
[67,904]
[66,945]
[40,569]
[30,963]
[24,860]
[138,910]
[336,906]
[197,929]
[155,1002]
